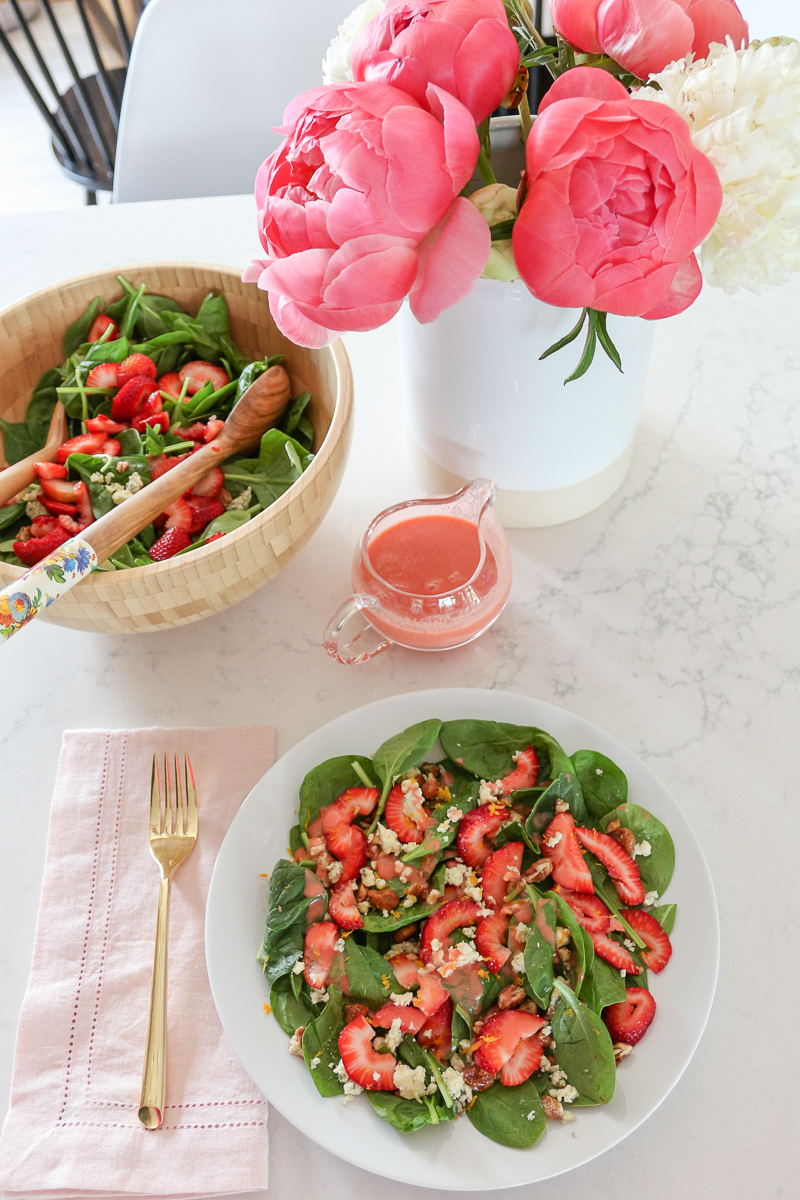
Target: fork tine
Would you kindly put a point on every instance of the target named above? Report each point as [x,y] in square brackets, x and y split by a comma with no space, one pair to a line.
[155,800]
[191,794]
[169,805]
[180,800]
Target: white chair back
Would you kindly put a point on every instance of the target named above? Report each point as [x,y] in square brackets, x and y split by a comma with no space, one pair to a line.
[207,81]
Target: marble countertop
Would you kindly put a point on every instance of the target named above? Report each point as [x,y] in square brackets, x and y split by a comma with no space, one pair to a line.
[669,617]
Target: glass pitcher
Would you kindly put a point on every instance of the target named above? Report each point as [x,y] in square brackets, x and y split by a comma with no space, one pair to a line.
[427,574]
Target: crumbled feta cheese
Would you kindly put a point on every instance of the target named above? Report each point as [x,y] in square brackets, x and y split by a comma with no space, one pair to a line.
[335,872]
[469,931]
[241,501]
[433,896]
[651,897]
[457,1062]
[389,841]
[351,1090]
[339,945]
[363,907]
[545,1031]
[486,792]
[296,1042]
[522,932]
[473,892]
[454,814]
[558,1078]
[394,1036]
[454,1082]
[409,901]
[435,944]
[316,1060]
[298,967]
[642,849]
[318,996]
[628,944]
[408,947]
[460,956]
[31,492]
[455,875]
[531,1115]
[380,884]
[444,827]
[598,771]
[120,492]
[518,963]
[368,877]
[623,972]
[402,998]
[35,508]
[340,1071]
[409,1081]
[554,840]
[566,1094]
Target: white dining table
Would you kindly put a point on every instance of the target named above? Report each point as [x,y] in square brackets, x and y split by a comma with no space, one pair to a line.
[669,617]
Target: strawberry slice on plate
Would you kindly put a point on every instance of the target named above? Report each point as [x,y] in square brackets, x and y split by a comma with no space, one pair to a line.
[490,941]
[560,844]
[524,774]
[355,802]
[405,815]
[60,490]
[523,1062]
[411,1019]
[629,1020]
[319,953]
[590,911]
[179,515]
[501,1036]
[619,864]
[442,923]
[342,906]
[431,995]
[104,375]
[354,855]
[406,969]
[436,1034]
[136,365]
[501,872]
[476,829]
[363,1064]
[199,372]
[659,947]
[612,952]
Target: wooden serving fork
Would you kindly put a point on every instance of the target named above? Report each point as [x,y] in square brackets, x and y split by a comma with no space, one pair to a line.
[170,845]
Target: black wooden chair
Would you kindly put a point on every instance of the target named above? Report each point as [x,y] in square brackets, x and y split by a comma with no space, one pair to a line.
[83,120]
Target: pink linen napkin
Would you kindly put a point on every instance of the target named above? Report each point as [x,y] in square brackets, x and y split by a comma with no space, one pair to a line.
[72,1128]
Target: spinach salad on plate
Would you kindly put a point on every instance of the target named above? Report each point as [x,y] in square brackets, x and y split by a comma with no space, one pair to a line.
[468,924]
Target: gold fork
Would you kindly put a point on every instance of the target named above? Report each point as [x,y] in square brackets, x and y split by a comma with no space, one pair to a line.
[170,845]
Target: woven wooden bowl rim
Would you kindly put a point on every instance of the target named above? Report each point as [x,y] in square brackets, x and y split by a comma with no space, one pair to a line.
[339,420]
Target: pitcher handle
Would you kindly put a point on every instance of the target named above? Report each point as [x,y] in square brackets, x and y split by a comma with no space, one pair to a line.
[357,647]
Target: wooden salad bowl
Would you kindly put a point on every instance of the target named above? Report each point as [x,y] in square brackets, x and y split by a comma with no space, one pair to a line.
[205,581]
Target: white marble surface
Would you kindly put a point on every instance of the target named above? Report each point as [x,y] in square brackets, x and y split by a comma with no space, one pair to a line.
[669,617]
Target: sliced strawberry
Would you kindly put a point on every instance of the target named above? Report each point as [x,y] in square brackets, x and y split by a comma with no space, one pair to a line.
[69,523]
[130,398]
[35,549]
[214,536]
[355,802]
[210,485]
[612,952]
[171,384]
[659,947]
[194,433]
[99,325]
[319,953]
[524,774]
[199,372]
[432,992]
[151,408]
[204,511]
[590,912]
[57,509]
[436,1034]
[84,443]
[50,470]
[560,844]
[619,864]
[355,854]
[136,365]
[523,1062]
[179,515]
[159,421]
[104,375]
[169,543]
[406,970]
[411,1019]
[59,489]
[501,1035]
[501,872]
[628,1021]
[84,503]
[160,464]
[443,922]
[405,815]
[103,424]
[476,829]
[342,906]
[365,1066]
[111,447]
[213,428]
[40,526]
[490,941]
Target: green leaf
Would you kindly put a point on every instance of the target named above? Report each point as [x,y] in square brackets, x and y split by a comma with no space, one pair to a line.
[225,523]
[463,796]
[77,333]
[41,405]
[553,759]
[665,914]
[566,788]
[10,514]
[599,320]
[603,986]
[570,337]
[657,867]
[580,962]
[280,463]
[213,316]
[512,1116]
[289,1010]
[409,1115]
[321,1041]
[87,465]
[583,1048]
[486,748]
[284,935]
[604,784]
[539,950]
[325,783]
[292,417]
[587,357]
[17,441]
[102,352]
[399,753]
[398,918]
[149,318]
[129,442]
[370,977]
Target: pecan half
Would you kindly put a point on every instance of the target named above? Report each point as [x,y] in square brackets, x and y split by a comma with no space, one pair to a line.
[386,899]
[351,1011]
[553,1108]
[621,1051]
[510,997]
[626,839]
[539,871]
[477,1079]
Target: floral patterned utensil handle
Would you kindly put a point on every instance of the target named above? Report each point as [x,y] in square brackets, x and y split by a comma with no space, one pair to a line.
[25,598]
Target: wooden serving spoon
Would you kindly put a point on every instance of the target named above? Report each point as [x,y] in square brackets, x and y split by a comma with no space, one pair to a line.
[257,410]
[19,475]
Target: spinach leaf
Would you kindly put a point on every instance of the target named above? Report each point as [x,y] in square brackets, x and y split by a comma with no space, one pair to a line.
[321,1041]
[103,352]
[409,1115]
[400,753]
[250,374]
[325,783]
[11,513]
[515,832]
[204,345]
[603,986]
[486,748]
[132,554]
[17,441]
[604,784]
[553,760]
[295,422]
[461,794]
[512,1116]
[564,787]
[370,976]
[398,918]
[580,964]
[656,868]
[41,405]
[280,463]
[665,915]
[213,316]
[285,931]
[289,1010]
[539,950]
[583,1048]
[149,315]
[89,465]
[77,333]
[129,442]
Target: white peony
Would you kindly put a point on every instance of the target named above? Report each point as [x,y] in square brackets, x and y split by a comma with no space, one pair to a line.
[497,202]
[743,110]
[336,67]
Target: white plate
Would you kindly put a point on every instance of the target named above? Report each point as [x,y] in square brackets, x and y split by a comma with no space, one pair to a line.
[453,1156]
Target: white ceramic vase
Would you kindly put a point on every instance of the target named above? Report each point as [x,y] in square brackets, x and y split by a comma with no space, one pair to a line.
[478,402]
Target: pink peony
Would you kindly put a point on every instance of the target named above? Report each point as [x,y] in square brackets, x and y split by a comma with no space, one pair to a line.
[360,207]
[463,46]
[618,199]
[645,36]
